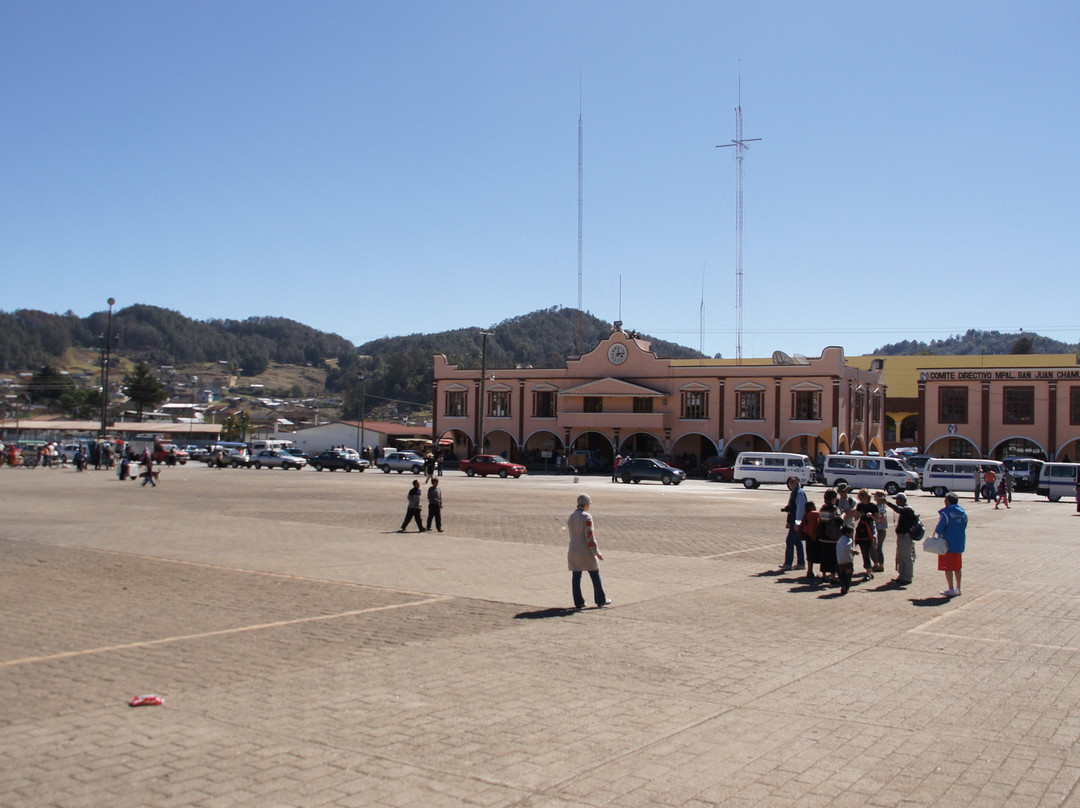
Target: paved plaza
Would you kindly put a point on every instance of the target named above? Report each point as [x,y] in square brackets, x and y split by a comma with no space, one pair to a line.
[310,655]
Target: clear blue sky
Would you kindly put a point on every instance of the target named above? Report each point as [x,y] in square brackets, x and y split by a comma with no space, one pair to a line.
[389,168]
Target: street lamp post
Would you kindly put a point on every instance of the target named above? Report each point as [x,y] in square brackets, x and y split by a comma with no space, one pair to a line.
[107,340]
[360,425]
[483,379]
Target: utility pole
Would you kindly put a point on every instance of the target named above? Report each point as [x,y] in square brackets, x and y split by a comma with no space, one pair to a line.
[107,340]
[739,144]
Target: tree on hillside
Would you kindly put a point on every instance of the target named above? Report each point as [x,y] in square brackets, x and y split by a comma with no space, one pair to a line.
[142,388]
[49,384]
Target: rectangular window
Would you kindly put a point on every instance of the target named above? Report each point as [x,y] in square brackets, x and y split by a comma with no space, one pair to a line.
[806,405]
[643,404]
[750,405]
[593,404]
[456,404]
[953,405]
[959,447]
[543,404]
[498,404]
[875,408]
[860,405]
[1019,405]
[695,404]
[1074,406]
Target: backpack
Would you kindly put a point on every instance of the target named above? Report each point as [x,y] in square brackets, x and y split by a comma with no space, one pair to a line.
[918,530]
[830,528]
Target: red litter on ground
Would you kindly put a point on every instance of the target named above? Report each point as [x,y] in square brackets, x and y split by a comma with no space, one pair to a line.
[147,701]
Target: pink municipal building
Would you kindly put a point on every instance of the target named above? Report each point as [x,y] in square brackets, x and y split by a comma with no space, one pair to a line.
[620,398]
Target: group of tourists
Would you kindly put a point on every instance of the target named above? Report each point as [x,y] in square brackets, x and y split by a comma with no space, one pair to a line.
[847,528]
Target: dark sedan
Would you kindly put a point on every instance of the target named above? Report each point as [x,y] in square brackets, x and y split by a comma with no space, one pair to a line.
[647,468]
[333,460]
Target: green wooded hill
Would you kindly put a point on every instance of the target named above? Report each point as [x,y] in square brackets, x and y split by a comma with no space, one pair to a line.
[979,342]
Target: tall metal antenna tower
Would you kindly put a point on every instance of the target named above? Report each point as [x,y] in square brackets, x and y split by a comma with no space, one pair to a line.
[580,193]
[739,144]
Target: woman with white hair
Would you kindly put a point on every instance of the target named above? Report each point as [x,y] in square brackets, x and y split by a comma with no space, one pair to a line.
[583,553]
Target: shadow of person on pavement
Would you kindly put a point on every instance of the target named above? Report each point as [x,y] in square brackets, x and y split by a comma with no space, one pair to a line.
[545,613]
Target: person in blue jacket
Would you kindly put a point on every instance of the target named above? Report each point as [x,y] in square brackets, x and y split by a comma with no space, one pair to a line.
[952,525]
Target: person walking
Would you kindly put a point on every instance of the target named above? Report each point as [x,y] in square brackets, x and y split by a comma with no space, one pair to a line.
[434,505]
[905,547]
[583,554]
[952,525]
[413,510]
[795,510]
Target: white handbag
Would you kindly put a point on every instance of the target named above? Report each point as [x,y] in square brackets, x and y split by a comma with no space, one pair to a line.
[936,545]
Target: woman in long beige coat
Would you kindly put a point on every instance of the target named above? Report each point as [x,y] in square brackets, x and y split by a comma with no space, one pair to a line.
[583,553]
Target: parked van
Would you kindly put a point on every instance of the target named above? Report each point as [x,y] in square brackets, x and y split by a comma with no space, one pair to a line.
[889,474]
[941,475]
[1057,480]
[1025,471]
[754,468]
[270,443]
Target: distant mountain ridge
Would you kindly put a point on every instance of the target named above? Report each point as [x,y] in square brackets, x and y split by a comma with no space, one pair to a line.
[974,341]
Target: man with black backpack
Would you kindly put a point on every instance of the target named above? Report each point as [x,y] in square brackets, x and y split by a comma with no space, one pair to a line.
[909,529]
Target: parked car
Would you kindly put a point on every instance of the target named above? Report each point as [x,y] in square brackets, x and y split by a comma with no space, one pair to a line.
[195,452]
[491,464]
[724,473]
[637,469]
[238,458]
[334,459]
[68,450]
[277,458]
[167,452]
[401,462]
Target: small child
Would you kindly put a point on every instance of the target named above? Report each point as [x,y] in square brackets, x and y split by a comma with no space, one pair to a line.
[845,558]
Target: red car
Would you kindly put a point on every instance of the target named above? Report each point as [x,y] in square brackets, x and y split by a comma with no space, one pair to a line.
[491,464]
[722,474]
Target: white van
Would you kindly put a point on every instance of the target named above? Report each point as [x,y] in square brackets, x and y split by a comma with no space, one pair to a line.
[754,468]
[1057,480]
[270,443]
[943,474]
[870,471]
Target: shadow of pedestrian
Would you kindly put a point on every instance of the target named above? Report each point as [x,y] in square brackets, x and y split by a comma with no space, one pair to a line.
[544,613]
[773,573]
[939,600]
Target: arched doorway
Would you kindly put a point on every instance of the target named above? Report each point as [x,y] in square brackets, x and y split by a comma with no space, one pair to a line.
[640,444]
[690,451]
[746,442]
[501,442]
[455,444]
[1020,447]
[542,449]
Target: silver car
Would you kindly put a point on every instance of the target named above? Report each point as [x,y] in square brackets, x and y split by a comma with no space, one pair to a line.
[401,462]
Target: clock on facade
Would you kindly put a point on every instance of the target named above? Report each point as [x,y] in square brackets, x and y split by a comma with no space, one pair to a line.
[617,354]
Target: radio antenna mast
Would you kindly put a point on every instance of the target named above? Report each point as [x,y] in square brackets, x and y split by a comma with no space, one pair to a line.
[580,188]
[739,144]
